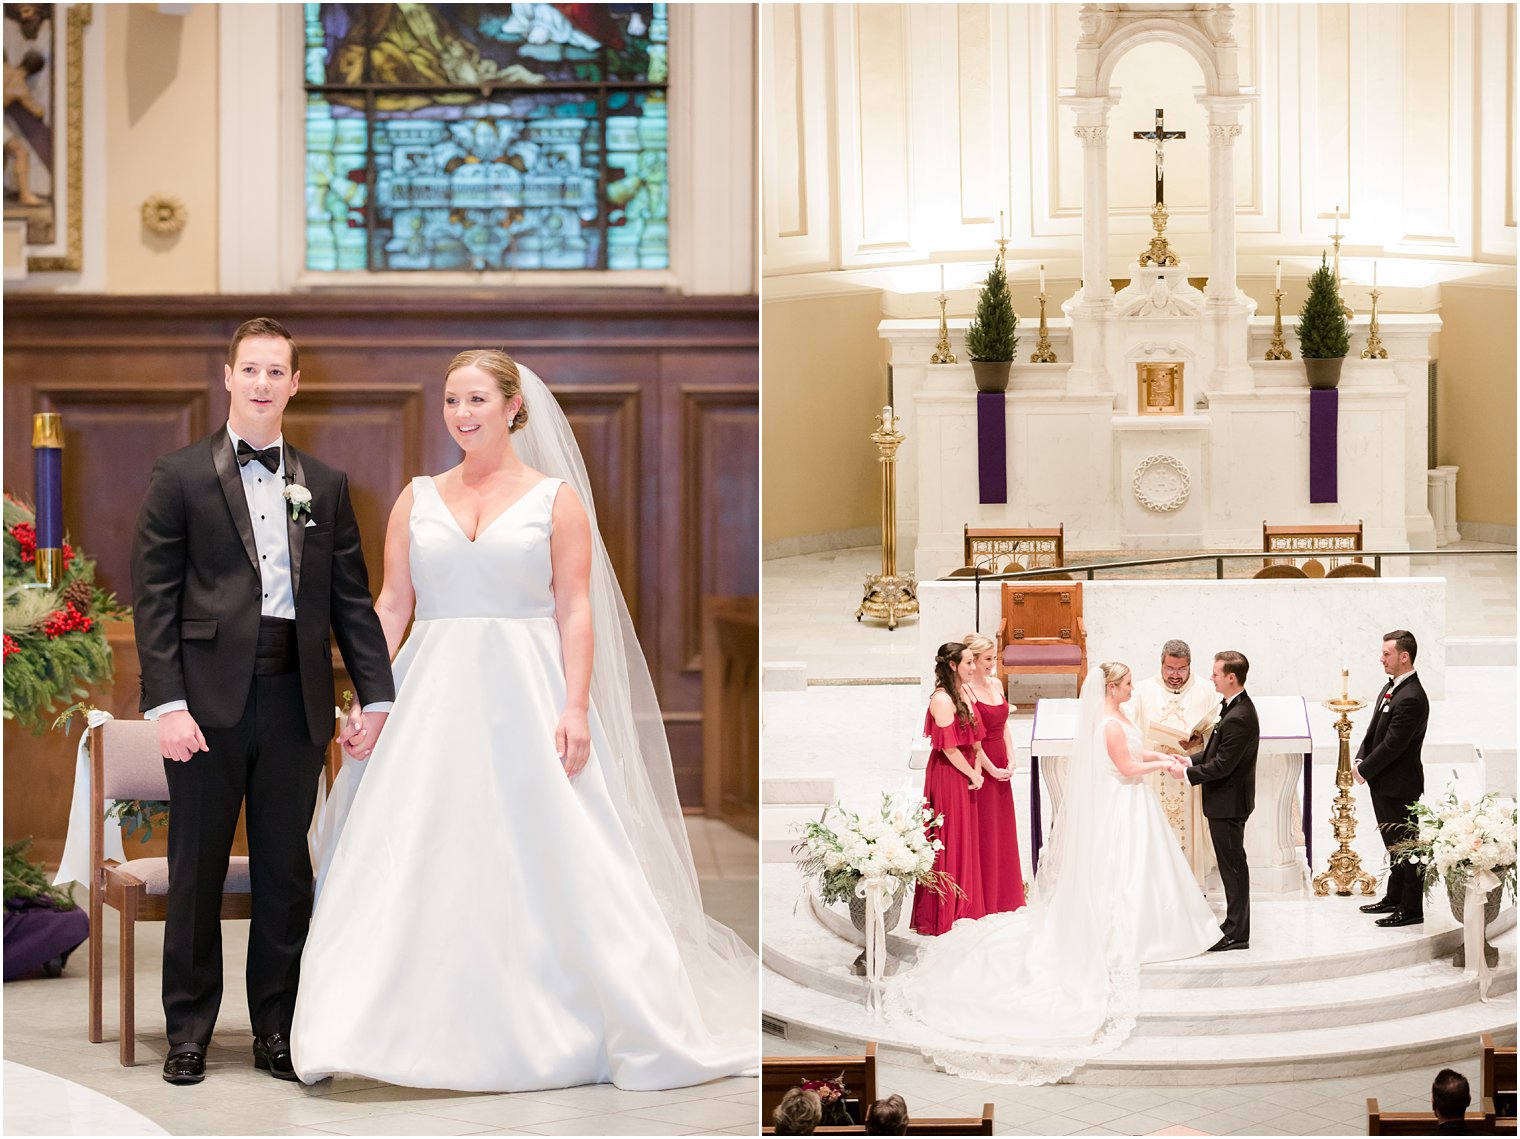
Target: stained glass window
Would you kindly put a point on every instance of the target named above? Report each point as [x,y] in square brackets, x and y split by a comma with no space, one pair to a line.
[486,136]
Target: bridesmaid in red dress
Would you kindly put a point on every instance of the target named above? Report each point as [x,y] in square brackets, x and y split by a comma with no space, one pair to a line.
[997,829]
[951,785]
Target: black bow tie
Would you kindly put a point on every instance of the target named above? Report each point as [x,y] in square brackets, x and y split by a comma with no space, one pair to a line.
[269,456]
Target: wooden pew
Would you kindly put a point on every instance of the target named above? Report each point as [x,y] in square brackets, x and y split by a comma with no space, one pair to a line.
[1480,1121]
[1499,1080]
[780,1074]
[946,1125]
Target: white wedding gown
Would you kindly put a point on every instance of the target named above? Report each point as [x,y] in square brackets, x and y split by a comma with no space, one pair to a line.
[1025,997]
[484,924]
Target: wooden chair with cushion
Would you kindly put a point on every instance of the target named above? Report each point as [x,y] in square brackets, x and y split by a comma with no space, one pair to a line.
[1479,1120]
[780,1074]
[1041,630]
[125,763]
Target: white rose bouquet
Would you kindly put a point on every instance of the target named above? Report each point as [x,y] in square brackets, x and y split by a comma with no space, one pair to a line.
[844,847]
[1458,837]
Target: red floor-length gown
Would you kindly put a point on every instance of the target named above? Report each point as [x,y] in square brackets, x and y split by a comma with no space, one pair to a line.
[949,793]
[997,830]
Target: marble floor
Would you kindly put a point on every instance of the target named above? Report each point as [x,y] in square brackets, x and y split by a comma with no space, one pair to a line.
[57,1083]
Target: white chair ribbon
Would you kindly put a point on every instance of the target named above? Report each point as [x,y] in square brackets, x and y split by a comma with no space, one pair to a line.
[75,865]
[878,895]
[1473,904]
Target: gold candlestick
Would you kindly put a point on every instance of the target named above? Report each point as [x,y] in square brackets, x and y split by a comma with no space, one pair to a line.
[1278,350]
[1374,349]
[1345,869]
[1159,254]
[942,353]
[888,595]
[1335,240]
[1043,353]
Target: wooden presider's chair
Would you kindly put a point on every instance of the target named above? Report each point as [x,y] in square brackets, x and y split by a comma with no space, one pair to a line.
[125,763]
[1003,550]
[1041,630]
[1312,548]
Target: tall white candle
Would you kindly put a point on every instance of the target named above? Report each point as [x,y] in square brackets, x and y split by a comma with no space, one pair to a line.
[1279,275]
[1000,225]
[941,278]
[1042,280]
[1374,274]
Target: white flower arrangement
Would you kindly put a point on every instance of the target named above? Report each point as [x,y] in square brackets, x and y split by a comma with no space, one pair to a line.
[900,842]
[1458,837]
[299,499]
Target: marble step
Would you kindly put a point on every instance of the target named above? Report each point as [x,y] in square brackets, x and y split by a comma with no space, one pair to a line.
[1429,1039]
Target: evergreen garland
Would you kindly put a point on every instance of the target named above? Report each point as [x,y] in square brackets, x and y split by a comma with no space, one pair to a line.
[992,335]
[55,645]
[28,880]
[1322,330]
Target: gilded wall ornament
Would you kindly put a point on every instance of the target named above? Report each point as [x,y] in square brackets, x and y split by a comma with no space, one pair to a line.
[164,215]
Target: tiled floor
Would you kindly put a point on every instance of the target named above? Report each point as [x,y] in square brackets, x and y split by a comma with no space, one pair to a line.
[1316,1107]
[45,1030]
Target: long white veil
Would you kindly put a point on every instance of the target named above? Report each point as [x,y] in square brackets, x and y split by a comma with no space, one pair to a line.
[1074,840]
[723,971]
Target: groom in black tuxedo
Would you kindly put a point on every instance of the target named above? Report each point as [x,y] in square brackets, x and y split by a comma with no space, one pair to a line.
[1227,772]
[1389,763]
[245,561]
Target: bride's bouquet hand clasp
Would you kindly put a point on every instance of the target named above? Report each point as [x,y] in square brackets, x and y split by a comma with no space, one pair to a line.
[572,741]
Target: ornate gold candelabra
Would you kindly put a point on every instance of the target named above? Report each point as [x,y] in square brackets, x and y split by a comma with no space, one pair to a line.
[1374,349]
[1043,353]
[1159,254]
[1335,240]
[942,353]
[889,595]
[1345,869]
[1278,350]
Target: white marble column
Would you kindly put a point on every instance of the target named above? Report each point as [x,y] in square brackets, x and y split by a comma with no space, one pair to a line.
[1449,488]
[1090,317]
[1436,486]
[1222,285]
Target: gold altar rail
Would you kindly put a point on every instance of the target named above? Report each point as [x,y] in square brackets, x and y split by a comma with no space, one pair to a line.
[1375,556]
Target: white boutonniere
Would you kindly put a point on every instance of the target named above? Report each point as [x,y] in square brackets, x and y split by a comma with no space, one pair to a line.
[300,500]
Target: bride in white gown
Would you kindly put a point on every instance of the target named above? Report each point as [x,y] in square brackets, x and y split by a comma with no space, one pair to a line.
[512,905]
[1026,997]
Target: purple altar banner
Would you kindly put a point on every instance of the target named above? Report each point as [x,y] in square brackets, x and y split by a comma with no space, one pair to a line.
[991,447]
[1323,413]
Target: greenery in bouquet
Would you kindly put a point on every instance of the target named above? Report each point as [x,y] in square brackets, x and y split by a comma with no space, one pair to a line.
[55,642]
[831,1095]
[844,847]
[991,336]
[1458,837]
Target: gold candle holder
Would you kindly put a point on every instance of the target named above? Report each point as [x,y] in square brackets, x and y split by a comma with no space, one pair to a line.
[1159,253]
[888,595]
[1374,349]
[1345,869]
[942,353]
[1278,350]
[1043,353]
[1335,239]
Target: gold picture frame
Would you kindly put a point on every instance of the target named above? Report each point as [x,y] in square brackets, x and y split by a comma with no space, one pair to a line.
[1159,388]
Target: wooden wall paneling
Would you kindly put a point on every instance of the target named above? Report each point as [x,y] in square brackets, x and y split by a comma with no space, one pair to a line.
[605,419]
[731,711]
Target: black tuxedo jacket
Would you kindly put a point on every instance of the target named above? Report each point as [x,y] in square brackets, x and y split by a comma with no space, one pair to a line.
[197,592]
[1227,768]
[1390,751]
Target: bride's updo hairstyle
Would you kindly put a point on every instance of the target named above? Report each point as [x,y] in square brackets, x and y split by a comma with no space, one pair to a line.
[1113,672]
[945,660]
[501,368]
[978,643]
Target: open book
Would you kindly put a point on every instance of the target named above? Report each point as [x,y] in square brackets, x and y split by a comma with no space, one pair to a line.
[1164,737]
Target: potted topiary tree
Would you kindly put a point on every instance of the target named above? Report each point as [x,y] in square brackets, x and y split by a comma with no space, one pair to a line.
[1323,335]
[991,339]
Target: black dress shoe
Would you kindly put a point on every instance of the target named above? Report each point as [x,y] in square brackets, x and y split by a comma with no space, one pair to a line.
[272,1054]
[1399,917]
[1224,944]
[186,1064]
[1383,907]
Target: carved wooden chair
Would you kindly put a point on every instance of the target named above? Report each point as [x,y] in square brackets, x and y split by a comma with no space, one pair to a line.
[1041,630]
[1004,550]
[1312,548]
[125,763]
[780,1074]
[1281,571]
[1352,569]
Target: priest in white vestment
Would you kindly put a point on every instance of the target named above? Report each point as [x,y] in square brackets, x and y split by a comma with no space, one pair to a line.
[1167,708]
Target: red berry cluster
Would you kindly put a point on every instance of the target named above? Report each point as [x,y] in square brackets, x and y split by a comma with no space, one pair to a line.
[66,620]
[26,536]
[11,646]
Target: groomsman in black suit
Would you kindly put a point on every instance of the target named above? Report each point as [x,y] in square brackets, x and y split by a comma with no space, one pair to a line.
[1389,763]
[245,565]
[1227,772]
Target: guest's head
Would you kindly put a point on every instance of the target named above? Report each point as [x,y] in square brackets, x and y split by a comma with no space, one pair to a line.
[482,399]
[1176,664]
[1117,681]
[262,372]
[1230,668]
[798,1113]
[954,668]
[984,651]
[1399,651]
[1450,1095]
[887,1117]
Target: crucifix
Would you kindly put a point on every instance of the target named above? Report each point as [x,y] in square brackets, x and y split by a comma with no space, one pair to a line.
[1159,253]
